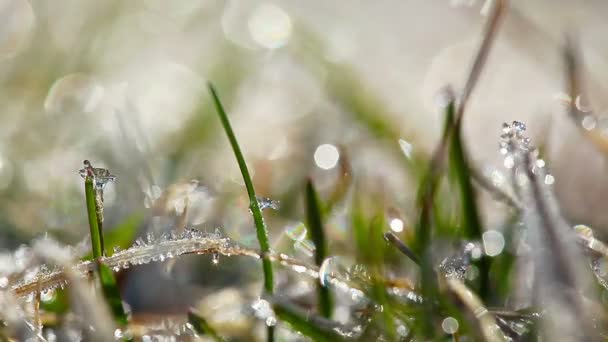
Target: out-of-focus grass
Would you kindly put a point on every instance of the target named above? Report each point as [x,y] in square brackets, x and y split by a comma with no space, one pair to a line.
[445,216]
[317,234]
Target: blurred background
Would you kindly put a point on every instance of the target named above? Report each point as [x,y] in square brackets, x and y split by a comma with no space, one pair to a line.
[313,88]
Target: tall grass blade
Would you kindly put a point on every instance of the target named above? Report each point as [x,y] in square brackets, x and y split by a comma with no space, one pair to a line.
[317,234]
[260,226]
[258,219]
[106,277]
[112,293]
[202,327]
[470,221]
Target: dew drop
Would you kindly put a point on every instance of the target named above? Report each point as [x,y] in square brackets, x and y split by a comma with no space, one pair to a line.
[493,242]
[450,325]
[215,259]
[271,321]
[589,122]
[265,203]
[402,330]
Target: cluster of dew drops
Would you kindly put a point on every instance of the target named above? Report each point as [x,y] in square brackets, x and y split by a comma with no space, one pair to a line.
[514,145]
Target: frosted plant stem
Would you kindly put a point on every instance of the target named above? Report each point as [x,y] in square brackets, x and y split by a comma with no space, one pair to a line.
[187,244]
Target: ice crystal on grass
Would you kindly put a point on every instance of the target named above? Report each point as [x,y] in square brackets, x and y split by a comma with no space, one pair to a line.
[100,175]
[268,203]
[557,260]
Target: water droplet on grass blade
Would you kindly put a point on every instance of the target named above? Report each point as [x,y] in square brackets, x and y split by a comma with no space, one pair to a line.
[450,325]
[493,242]
[265,203]
[589,122]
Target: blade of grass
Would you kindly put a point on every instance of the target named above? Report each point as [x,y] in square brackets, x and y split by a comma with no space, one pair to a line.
[202,327]
[317,234]
[258,219]
[111,293]
[315,327]
[122,236]
[471,222]
[260,226]
[401,246]
[106,277]
[430,182]
[95,228]
[377,247]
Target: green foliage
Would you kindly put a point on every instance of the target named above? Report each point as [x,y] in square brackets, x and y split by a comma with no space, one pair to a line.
[317,234]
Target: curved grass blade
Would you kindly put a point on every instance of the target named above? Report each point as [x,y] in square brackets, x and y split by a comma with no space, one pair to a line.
[317,234]
[201,326]
[258,219]
[260,226]
[471,222]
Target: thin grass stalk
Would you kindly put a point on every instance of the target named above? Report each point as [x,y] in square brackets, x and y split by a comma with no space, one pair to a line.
[260,226]
[317,234]
[94,227]
[262,232]
[402,247]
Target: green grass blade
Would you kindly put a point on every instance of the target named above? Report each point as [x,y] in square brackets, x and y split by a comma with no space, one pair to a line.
[402,247]
[111,293]
[202,327]
[315,327]
[95,228]
[377,246]
[317,234]
[471,222]
[258,219]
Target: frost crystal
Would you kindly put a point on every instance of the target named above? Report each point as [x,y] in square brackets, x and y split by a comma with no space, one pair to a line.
[101,176]
[265,203]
